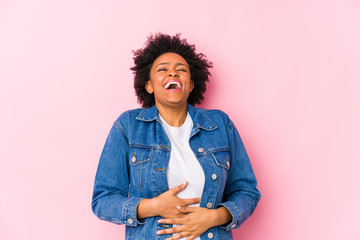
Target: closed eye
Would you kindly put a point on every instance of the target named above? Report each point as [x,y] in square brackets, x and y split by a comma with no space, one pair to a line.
[183,70]
[162,69]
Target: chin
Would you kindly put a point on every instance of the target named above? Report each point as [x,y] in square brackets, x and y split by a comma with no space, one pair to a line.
[177,103]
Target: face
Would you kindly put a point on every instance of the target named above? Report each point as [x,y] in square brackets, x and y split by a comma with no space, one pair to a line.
[170,81]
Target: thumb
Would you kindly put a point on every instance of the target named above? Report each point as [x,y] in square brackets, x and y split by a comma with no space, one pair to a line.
[180,187]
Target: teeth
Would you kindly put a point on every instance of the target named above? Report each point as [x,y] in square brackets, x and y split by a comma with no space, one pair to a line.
[178,86]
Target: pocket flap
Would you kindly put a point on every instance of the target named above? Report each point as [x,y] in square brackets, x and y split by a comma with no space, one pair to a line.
[139,155]
[222,159]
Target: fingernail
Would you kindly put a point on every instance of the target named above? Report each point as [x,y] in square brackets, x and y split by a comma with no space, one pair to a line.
[178,207]
[158,232]
[184,182]
[159,221]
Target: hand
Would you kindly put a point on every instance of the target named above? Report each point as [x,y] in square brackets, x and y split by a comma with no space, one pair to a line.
[196,221]
[167,202]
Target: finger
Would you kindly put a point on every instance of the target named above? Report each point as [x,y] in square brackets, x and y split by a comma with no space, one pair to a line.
[190,238]
[169,230]
[180,187]
[178,221]
[178,236]
[185,209]
[190,201]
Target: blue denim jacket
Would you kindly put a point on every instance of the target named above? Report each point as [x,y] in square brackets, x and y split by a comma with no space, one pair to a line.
[133,166]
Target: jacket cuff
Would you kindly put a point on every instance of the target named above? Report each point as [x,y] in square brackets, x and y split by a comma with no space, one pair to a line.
[235,213]
[129,212]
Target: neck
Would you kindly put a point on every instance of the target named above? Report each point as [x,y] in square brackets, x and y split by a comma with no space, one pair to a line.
[175,117]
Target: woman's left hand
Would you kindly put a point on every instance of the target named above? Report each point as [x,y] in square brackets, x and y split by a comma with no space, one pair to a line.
[197,221]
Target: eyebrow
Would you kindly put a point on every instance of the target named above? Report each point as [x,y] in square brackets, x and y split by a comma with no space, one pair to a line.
[165,63]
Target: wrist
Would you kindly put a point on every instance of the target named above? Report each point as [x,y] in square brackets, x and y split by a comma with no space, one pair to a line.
[147,208]
[213,218]
[154,206]
[221,216]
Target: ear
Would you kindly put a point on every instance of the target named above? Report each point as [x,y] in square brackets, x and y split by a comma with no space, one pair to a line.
[192,85]
[148,87]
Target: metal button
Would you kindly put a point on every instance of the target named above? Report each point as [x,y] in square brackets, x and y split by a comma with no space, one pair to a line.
[214,176]
[200,150]
[209,205]
[130,221]
[233,226]
[210,235]
[133,159]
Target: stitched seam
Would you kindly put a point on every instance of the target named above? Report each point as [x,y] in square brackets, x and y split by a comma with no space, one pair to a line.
[124,209]
[215,150]
[138,116]
[142,146]
[230,126]
[119,127]
[210,120]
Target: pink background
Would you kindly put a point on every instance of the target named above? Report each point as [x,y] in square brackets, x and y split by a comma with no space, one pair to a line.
[287,73]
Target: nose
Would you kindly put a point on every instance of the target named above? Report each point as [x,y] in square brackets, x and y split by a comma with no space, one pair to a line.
[173,74]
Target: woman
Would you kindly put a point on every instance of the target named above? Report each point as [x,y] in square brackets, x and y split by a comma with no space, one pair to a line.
[171,170]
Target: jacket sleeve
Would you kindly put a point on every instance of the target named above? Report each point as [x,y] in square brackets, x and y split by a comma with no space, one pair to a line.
[110,201]
[241,195]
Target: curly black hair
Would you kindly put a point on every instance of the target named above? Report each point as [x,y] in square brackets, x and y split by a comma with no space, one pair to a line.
[159,44]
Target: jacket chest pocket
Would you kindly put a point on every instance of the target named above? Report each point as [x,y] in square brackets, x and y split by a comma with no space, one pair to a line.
[222,161]
[139,161]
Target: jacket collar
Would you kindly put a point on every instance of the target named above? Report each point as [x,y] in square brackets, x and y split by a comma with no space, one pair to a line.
[198,116]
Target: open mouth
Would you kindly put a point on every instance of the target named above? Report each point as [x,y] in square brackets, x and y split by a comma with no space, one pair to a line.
[172,85]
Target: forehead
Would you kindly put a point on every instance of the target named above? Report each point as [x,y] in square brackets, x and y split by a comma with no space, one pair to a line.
[169,58]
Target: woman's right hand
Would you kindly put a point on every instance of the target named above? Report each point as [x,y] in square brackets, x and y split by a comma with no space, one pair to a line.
[165,204]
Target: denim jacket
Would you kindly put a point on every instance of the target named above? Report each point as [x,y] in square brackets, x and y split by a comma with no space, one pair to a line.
[133,166]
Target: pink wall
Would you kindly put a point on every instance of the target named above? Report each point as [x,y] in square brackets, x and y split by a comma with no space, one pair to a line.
[287,73]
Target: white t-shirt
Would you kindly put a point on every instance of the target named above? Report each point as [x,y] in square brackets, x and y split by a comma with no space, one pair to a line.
[183,165]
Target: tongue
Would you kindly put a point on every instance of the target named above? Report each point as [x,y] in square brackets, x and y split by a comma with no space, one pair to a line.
[172,86]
